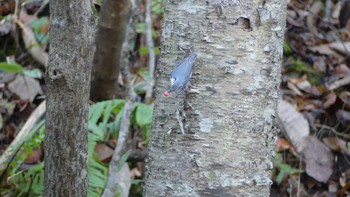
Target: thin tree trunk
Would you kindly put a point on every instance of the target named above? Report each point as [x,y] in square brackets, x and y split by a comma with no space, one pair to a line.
[113,21]
[68,83]
[228,114]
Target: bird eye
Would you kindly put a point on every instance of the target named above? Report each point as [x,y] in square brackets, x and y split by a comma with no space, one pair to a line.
[172,80]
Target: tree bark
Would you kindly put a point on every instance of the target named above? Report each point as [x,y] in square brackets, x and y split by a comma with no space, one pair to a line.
[113,21]
[228,115]
[68,83]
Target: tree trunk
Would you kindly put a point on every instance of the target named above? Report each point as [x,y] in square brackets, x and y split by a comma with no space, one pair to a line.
[68,83]
[113,21]
[228,115]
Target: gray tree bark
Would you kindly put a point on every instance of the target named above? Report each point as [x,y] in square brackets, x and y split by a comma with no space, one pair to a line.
[68,85]
[228,115]
[113,21]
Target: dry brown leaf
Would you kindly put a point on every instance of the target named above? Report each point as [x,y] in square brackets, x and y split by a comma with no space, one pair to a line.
[298,80]
[318,158]
[34,157]
[104,152]
[320,65]
[282,144]
[312,18]
[32,45]
[333,186]
[336,144]
[5,27]
[342,47]
[344,14]
[304,85]
[136,172]
[342,70]
[330,100]
[339,83]
[325,49]
[343,117]
[294,88]
[295,126]
[25,87]
[345,97]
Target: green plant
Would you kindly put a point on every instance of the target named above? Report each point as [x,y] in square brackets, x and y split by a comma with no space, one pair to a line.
[283,169]
[104,119]
[14,67]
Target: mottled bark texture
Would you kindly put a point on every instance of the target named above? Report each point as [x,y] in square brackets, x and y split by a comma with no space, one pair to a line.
[228,115]
[68,85]
[113,21]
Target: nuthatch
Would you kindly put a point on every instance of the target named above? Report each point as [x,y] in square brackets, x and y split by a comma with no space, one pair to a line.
[180,76]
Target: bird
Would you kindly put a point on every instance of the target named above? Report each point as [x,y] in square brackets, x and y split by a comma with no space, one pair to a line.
[181,74]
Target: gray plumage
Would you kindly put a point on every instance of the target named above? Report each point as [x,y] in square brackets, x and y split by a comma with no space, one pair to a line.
[180,76]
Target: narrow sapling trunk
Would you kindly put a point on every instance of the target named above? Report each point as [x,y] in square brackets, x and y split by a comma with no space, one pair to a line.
[110,36]
[68,85]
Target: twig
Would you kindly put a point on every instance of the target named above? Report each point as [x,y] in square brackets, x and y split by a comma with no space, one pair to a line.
[346,136]
[28,126]
[150,44]
[31,44]
[339,83]
[126,76]
[327,10]
[17,7]
[114,178]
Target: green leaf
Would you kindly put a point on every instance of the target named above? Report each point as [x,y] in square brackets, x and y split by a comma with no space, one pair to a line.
[144,115]
[284,169]
[38,24]
[10,67]
[286,48]
[144,50]
[141,28]
[123,159]
[35,73]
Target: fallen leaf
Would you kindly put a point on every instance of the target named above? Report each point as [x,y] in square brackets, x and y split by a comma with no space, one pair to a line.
[336,144]
[5,27]
[339,83]
[294,88]
[282,144]
[342,47]
[312,18]
[325,49]
[343,117]
[104,152]
[25,87]
[295,126]
[318,158]
[330,100]
[342,70]
[6,76]
[304,85]
[345,97]
[31,43]
[344,14]
[34,157]
[333,186]
[320,65]
[298,80]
